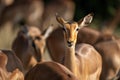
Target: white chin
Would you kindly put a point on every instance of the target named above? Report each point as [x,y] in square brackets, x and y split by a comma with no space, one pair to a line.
[70,45]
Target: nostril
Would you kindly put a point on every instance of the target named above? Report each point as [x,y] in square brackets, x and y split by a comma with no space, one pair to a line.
[69,42]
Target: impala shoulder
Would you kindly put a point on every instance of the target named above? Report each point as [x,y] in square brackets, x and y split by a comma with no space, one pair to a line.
[83,49]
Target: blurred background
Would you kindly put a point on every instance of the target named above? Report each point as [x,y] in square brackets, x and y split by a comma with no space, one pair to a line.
[41,13]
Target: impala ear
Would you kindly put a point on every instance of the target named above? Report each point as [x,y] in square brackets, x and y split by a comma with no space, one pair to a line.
[48,31]
[86,20]
[60,19]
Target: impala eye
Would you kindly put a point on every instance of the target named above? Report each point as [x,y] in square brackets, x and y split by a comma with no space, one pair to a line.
[77,29]
[38,38]
[63,29]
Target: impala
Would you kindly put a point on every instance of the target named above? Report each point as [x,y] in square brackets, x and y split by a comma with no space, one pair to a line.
[98,40]
[40,43]
[22,46]
[65,7]
[30,45]
[82,59]
[29,11]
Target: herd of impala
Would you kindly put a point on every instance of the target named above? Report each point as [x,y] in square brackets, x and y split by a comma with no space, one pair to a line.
[77,52]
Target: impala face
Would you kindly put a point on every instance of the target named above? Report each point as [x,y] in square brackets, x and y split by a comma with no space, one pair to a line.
[39,46]
[70,33]
[71,28]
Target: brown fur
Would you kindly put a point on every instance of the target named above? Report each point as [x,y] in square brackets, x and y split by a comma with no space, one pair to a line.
[58,47]
[13,61]
[23,47]
[110,52]
[49,71]
[29,11]
[66,8]
[4,73]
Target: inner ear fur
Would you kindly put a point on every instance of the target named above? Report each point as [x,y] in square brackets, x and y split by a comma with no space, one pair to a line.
[86,20]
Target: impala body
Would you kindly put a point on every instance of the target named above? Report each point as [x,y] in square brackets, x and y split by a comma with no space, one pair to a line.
[110,52]
[50,71]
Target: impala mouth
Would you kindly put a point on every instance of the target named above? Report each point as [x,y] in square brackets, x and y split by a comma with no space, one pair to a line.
[69,45]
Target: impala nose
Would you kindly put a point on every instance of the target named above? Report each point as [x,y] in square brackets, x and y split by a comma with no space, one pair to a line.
[70,43]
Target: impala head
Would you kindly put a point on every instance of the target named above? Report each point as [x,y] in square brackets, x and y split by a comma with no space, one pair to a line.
[71,28]
[39,41]
[34,31]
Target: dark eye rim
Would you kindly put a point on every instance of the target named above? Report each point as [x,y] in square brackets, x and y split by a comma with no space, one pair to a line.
[37,38]
[63,29]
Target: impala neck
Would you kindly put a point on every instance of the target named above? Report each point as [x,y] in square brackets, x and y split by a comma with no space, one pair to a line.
[70,61]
